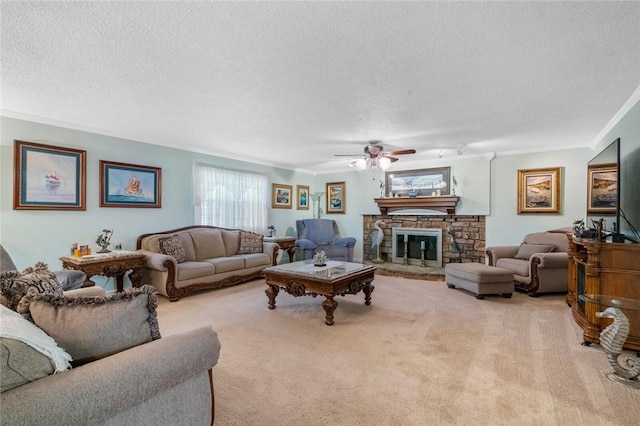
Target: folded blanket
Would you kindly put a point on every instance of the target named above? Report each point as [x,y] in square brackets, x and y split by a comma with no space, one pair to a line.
[14,326]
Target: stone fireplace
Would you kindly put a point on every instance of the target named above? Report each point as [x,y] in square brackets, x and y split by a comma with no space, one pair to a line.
[462,237]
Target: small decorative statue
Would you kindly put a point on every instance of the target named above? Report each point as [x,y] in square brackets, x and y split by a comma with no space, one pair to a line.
[104,240]
[578,227]
[455,183]
[320,259]
[272,230]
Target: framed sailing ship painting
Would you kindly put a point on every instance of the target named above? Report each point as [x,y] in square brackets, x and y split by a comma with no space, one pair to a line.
[48,177]
[130,185]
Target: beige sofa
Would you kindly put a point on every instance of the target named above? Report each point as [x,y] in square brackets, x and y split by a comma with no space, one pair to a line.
[206,257]
[539,264]
[156,383]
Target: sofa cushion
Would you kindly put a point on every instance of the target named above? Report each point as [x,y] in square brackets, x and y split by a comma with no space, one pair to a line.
[227,264]
[527,250]
[90,328]
[231,241]
[26,352]
[517,266]
[191,270]
[173,246]
[14,285]
[256,259]
[250,243]
[208,243]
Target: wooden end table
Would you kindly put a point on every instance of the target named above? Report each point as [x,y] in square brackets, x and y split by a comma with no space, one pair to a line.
[113,264]
[287,244]
[334,279]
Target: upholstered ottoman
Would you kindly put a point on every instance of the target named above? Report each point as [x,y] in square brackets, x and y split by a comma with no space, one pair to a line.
[479,279]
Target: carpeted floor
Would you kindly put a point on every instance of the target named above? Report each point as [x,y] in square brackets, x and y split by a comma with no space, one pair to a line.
[420,354]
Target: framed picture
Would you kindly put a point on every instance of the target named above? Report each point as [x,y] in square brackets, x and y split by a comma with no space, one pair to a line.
[281,196]
[130,185]
[539,191]
[602,189]
[303,197]
[336,197]
[423,182]
[48,177]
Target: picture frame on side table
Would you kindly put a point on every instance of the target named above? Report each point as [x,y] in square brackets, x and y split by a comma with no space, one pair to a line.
[302,197]
[602,189]
[48,177]
[130,185]
[336,197]
[539,191]
[281,196]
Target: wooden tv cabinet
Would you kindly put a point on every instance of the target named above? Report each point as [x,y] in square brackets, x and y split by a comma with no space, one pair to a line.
[597,267]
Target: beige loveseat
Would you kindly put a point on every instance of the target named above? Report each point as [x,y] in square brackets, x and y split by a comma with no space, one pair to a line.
[539,264]
[181,261]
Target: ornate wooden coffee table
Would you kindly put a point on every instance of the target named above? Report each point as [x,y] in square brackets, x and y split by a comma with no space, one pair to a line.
[333,279]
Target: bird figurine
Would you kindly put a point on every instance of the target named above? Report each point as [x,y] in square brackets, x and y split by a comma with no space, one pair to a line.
[376,240]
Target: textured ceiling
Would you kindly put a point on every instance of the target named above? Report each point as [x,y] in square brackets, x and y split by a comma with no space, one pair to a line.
[290,84]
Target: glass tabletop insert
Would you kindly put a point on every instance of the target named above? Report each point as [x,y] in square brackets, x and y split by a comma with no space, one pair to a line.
[331,271]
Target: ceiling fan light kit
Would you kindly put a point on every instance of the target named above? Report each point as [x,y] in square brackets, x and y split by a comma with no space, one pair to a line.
[375,156]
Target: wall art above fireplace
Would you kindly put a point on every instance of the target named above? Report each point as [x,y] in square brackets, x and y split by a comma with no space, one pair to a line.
[424,182]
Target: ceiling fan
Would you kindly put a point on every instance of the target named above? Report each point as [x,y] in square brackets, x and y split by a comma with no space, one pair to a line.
[376,156]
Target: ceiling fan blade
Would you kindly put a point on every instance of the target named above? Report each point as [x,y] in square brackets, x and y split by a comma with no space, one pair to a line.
[402,152]
[393,159]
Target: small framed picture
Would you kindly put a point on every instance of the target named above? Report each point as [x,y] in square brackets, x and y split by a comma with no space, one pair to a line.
[539,191]
[130,185]
[48,177]
[336,197]
[602,189]
[281,196]
[303,197]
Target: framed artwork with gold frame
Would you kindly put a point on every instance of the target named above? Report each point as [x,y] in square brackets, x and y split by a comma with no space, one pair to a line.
[336,197]
[302,192]
[539,191]
[281,196]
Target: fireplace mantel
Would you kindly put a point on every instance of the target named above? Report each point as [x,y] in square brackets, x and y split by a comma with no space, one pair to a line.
[444,204]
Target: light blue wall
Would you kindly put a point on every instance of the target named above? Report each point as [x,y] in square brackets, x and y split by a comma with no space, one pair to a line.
[44,235]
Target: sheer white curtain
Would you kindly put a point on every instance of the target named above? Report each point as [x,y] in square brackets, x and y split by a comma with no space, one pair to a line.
[230,198]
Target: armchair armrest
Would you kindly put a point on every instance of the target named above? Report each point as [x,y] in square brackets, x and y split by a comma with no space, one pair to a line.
[553,260]
[497,252]
[101,389]
[306,244]
[157,261]
[346,242]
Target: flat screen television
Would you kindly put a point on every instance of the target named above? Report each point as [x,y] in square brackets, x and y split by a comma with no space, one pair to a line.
[612,192]
[603,188]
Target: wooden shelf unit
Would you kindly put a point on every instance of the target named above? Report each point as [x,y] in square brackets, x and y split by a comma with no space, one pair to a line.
[597,267]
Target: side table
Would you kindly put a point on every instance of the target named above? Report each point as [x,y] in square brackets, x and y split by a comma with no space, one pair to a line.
[113,264]
[626,368]
[287,244]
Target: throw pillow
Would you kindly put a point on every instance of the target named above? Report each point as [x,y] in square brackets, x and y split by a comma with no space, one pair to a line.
[250,243]
[172,246]
[14,285]
[526,250]
[90,328]
[26,352]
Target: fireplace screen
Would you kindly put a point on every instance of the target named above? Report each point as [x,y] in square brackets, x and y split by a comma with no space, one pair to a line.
[412,245]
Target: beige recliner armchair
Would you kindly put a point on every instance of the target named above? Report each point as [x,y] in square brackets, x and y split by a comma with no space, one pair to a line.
[539,264]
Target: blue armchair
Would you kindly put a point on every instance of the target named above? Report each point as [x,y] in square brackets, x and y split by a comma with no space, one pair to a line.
[315,235]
